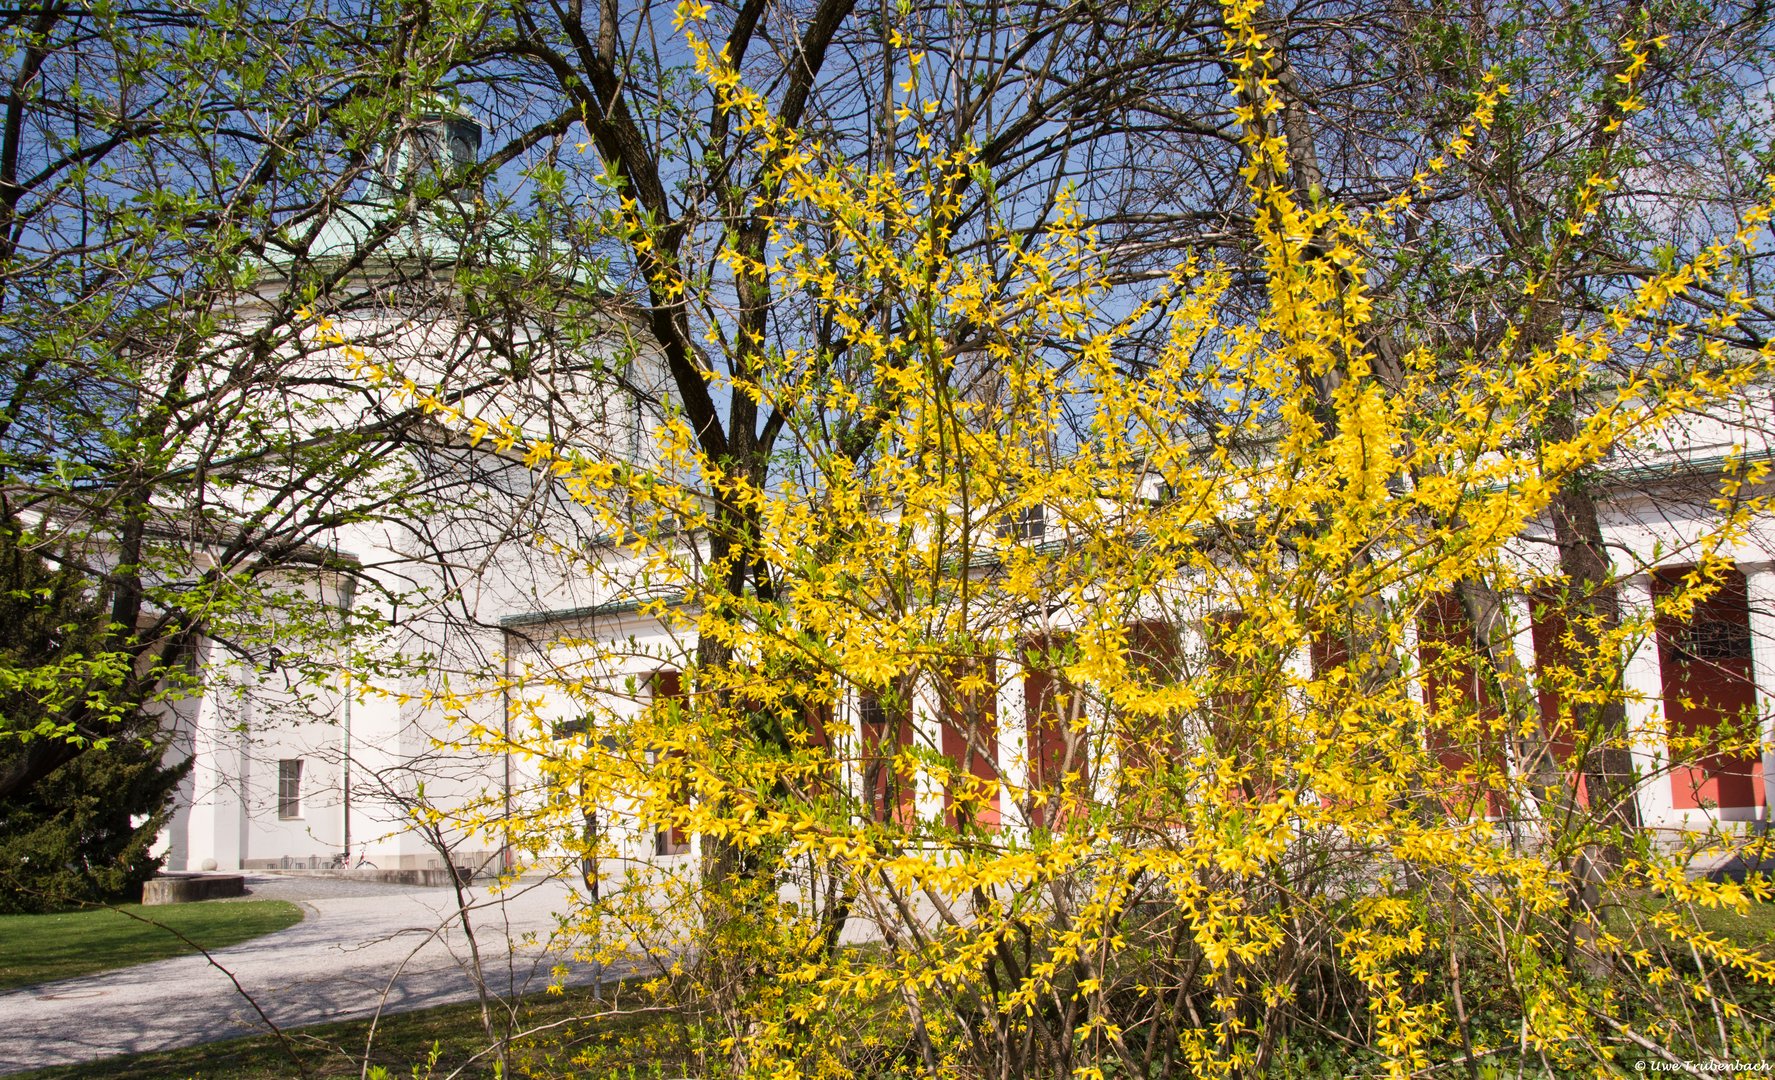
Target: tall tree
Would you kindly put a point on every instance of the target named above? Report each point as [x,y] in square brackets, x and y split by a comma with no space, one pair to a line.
[186,192]
[84,832]
[838,305]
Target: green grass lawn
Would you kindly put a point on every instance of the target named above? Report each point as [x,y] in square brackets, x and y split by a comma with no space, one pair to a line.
[584,1038]
[42,948]
[1754,929]
[643,1051]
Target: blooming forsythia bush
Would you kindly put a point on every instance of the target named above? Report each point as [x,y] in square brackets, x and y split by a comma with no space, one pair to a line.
[1050,714]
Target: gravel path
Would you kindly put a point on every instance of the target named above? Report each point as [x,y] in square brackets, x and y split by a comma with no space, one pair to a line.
[359,944]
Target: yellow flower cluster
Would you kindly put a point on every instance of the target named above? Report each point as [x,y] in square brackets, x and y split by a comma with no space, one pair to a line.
[1104,719]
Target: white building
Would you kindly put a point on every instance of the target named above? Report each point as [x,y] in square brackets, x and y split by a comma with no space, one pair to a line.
[293,775]
[290,771]
[1658,516]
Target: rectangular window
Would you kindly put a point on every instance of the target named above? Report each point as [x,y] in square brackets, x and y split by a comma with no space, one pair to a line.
[969,739]
[886,731]
[289,788]
[1058,744]
[573,729]
[1710,694]
[668,694]
[1026,523]
[671,840]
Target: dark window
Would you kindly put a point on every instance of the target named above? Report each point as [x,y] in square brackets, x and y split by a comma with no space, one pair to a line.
[289,788]
[1713,641]
[671,840]
[1027,523]
[885,732]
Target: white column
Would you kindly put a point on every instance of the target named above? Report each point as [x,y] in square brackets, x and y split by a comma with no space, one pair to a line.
[927,731]
[1410,669]
[1192,660]
[217,819]
[1519,622]
[1643,683]
[244,781]
[1102,756]
[1299,669]
[1299,666]
[1012,725]
[1759,579]
[847,740]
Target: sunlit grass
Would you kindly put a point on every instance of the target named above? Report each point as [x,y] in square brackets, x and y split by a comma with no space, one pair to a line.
[44,948]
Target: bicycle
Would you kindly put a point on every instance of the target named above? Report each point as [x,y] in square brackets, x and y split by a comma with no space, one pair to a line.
[342,861]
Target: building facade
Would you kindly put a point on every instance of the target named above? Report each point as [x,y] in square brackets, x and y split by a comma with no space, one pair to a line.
[477,569]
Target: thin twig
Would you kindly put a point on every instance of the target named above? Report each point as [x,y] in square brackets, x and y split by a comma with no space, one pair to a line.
[283,1039]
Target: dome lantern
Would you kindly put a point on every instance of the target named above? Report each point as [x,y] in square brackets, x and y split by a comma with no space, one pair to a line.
[440,141]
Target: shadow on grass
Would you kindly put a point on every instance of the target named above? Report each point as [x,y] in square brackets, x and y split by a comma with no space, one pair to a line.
[563,1024]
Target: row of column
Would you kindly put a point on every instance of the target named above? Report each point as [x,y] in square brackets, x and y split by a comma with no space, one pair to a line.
[1643,680]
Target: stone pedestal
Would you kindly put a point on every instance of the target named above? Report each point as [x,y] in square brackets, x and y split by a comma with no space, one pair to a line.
[186,888]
